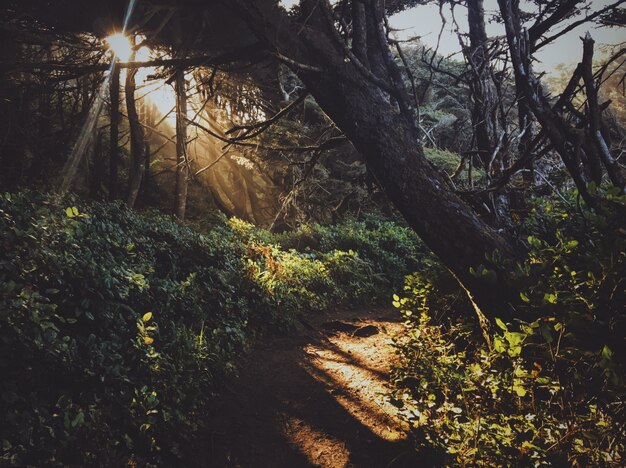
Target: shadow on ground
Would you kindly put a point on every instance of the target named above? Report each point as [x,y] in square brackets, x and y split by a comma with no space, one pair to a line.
[315,398]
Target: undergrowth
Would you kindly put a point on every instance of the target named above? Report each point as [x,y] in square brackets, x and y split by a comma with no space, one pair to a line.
[117,328]
[550,391]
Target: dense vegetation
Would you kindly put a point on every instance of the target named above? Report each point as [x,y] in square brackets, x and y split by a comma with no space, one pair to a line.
[549,389]
[314,158]
[116,328]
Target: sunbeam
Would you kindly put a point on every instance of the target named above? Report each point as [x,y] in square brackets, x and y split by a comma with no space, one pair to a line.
[122,49]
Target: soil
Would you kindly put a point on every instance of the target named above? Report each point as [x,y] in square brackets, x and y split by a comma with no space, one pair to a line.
[315,397]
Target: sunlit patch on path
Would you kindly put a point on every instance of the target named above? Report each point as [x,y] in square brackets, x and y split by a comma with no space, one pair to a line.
[316,398]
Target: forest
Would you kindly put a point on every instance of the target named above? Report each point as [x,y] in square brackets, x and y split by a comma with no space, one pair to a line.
[333,233]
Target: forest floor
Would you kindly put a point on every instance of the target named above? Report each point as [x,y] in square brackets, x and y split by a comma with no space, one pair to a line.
[315,397]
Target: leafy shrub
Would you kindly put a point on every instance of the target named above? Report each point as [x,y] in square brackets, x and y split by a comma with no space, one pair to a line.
[317,266]
[116,328]
[449,162]
[551,390]
[113,329]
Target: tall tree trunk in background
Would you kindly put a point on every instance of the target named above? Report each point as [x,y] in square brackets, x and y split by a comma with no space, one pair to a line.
[557,130]
[490,139]
[97,168]
[44,117]
[114,151]
[482,87]
[525,117]
[528,130]
[614,170]
[361,103]
[182,163]
[137,140]
[149,113]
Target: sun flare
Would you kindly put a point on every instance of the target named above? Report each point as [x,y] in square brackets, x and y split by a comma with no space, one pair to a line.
[121,46]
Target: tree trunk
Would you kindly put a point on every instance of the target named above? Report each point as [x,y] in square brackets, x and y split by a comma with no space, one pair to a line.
[482,87]
[97,167]
[613,168]
[137,140]
[149,112]
[560,134]
[370,117]
[182,163]
[491,138]
[114,151]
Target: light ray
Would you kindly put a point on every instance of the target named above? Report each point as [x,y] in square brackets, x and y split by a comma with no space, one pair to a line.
[87,133]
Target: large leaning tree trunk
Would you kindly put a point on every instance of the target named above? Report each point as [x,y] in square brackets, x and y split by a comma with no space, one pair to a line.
[360,89]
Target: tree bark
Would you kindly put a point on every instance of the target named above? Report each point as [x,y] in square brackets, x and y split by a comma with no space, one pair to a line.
[97,168]
[182,163]
[114,151]
[560,134]
[137,141]
[613,168]
[482,88]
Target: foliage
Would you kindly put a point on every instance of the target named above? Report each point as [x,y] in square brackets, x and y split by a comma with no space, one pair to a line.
[550,391]
[317,266]
[116,328]
[449,162]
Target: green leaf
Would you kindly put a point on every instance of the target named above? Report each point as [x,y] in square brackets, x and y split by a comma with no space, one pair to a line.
[69,212]
[147,316]
[592,187]
[607,353]
[524,297]
[532,240]
[519,390]
[499,345]
[514,338]
[550,298]
[515,351]
[501,324]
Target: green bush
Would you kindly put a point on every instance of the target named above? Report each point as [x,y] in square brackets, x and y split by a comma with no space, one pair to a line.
[113,329]
[449,162]
[317,266]
[550,391]
[116,328]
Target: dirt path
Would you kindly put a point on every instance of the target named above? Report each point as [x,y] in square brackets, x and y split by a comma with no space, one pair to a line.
[314,398]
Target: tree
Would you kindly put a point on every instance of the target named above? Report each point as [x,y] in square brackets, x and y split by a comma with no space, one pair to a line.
[578,153]
[137,140]
[114,150]
[366,99]
[182,164]
[341,53]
